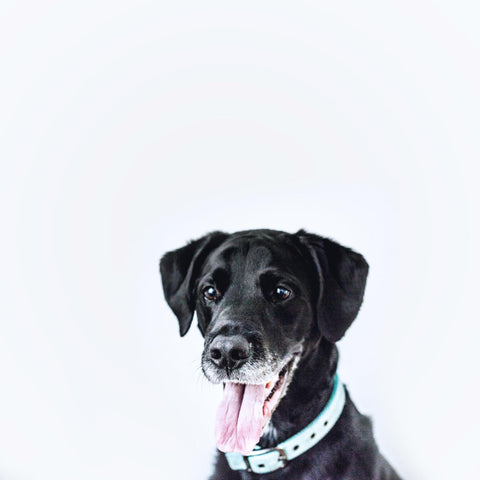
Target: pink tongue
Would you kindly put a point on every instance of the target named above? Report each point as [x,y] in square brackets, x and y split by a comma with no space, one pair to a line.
[240,418]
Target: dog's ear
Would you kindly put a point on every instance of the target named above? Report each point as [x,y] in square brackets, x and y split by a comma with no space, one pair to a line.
[179,270]
[342,276]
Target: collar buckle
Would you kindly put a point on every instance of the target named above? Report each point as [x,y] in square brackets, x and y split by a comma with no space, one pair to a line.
[282,456]
[258,466]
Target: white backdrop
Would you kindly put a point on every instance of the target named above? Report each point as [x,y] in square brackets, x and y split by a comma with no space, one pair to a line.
[130,127]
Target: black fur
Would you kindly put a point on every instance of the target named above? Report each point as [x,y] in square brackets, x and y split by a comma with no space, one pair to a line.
[327,282]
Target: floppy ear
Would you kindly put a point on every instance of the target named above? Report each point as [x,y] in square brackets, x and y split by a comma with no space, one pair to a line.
[342,275]
[179,270]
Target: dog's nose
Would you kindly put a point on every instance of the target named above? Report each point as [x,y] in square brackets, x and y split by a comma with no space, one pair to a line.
[229,352]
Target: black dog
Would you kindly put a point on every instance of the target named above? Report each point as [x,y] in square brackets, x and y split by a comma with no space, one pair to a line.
[271,306]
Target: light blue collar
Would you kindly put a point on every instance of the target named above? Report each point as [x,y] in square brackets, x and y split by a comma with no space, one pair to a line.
[270,459]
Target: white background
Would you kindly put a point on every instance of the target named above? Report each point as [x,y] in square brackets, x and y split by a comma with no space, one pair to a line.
[130,127]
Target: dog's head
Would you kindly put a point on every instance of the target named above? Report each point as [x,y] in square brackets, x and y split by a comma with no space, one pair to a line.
[261,298]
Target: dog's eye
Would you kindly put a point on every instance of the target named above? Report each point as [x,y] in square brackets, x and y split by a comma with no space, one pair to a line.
[210,293]
[281,293]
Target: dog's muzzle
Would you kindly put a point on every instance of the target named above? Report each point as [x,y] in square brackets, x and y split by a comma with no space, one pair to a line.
[229,352]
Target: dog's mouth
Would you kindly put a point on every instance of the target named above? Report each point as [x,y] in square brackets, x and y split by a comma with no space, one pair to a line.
[246,409]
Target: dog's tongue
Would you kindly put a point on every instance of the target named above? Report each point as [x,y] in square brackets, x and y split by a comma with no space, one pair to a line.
[240,418]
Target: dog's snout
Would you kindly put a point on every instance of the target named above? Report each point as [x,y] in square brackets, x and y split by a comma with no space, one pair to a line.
[229,352]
